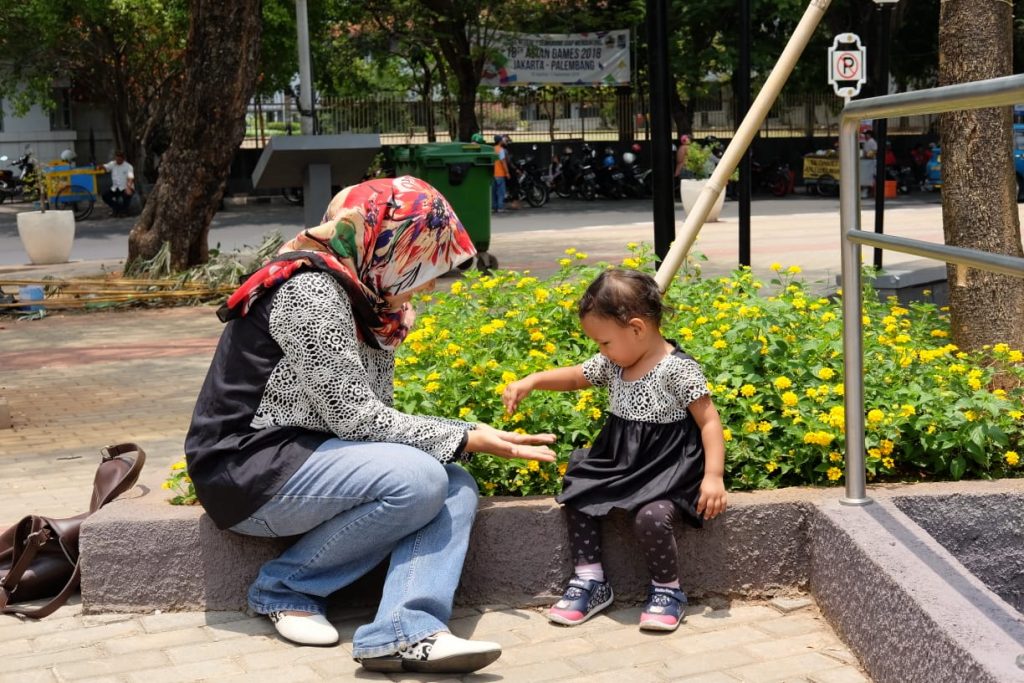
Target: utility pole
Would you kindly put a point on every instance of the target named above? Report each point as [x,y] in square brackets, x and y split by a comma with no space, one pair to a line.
[305,72]
[662,166]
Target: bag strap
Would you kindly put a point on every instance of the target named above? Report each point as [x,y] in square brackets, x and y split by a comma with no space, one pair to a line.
[114,476]
[30,535]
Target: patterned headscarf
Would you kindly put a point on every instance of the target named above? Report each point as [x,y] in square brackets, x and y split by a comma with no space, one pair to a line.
[378,238]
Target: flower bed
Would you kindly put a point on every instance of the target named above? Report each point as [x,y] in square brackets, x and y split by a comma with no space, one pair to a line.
[774,362]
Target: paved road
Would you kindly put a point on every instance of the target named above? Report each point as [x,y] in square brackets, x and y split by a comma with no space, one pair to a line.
[794,230]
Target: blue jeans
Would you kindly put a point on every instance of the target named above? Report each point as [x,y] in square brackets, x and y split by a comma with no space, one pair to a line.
[354,504]
[498,194]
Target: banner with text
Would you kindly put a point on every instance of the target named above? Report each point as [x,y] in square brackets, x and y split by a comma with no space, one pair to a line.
[600,58]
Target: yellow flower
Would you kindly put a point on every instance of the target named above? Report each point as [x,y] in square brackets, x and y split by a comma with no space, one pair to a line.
[939,333]
[874,454]
[536,335]
[533,466]
[719,344]
[1011,458]
[507,376]
[541,295]
[180,465]
[1016,414]
[875,416]
[819,438]
[757,408]
[906,410]
[789,399]
[631,245]
[530,321]
[834,473]
[431,387]
[886,446]
[970,415]
[771,466]
[764,427]
[570,251]
[457,287]
[595,413]
[748,390]
[464,411]
[166,485]
[826,373]
[726,434]
[828,316]
[888,463]
[835,456]
[580,256]
[1015,356]
[564,261]
[974,383]
[562,467]
[776,267]
[782,383]
[631,263]
[794,270]
[459,362]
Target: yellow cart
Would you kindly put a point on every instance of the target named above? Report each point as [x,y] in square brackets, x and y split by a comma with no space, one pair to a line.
[71,188]
[821,175]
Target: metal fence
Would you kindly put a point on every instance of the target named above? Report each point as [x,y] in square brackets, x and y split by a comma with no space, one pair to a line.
[992,93]
[601,115]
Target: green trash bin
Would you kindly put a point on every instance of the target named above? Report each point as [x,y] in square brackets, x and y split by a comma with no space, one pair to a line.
[462,172]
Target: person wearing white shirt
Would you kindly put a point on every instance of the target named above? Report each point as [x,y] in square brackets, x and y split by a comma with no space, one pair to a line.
[122,184]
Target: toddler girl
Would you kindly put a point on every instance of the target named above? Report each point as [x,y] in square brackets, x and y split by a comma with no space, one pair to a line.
[660,455]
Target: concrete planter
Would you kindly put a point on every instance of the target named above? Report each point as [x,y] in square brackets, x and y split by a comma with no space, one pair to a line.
[47,235]
[690,190]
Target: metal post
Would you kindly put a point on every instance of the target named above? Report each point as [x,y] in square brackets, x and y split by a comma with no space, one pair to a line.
[305,71]
[881,125]
[661,134]
[853,349]
[742,105]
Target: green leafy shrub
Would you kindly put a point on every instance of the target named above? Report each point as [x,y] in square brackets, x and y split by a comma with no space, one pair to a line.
[774,363]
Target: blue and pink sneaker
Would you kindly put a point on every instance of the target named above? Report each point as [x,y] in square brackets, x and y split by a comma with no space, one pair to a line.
[663,610]
[583,598]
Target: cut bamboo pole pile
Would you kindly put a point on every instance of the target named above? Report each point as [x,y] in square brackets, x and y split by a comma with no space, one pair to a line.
[111,291]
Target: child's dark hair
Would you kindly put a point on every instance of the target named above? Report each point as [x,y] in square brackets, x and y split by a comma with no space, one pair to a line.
[622,295]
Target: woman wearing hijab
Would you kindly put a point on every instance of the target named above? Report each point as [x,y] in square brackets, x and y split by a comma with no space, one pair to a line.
[294,433]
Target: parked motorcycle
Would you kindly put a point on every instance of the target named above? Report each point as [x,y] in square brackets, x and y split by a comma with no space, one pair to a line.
[610,178]
[527,183]
[574,175]
[636,180]
[15,185]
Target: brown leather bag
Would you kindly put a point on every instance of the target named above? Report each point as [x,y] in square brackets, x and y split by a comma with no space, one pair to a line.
[39,555]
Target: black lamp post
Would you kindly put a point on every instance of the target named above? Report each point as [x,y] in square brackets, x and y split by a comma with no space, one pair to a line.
[881,125]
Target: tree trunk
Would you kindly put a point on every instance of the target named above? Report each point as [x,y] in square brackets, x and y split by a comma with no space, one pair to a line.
[220,77]
[979,208]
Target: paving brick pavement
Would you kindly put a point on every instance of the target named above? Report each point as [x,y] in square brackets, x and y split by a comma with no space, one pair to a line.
[753,642]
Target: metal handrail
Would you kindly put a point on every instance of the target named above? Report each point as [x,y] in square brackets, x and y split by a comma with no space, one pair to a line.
[980,94]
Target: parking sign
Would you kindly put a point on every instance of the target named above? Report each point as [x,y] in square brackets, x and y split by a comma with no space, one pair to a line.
[847,65]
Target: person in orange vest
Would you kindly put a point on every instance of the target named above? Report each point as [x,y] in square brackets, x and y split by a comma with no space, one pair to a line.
[500,175]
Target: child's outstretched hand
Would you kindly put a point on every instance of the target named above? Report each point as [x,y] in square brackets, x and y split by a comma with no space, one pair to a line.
[712,501]
[516,392]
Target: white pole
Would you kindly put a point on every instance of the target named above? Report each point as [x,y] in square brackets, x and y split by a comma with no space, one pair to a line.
[305,72]
[741,141]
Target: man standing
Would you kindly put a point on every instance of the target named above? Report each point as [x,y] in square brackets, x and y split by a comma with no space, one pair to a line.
[122,184]
[500,176]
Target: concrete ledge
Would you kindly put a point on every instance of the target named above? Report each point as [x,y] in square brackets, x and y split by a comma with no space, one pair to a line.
[142,554]
[902,602]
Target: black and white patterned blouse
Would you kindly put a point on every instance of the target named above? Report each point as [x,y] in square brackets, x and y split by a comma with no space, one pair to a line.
[286,377]
[662,395]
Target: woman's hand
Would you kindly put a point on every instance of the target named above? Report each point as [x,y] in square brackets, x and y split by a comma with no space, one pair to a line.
[712,501]
[516,392]
[487,439]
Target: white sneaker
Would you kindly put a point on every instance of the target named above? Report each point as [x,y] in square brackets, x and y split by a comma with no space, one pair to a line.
[440,653]
[313,629]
